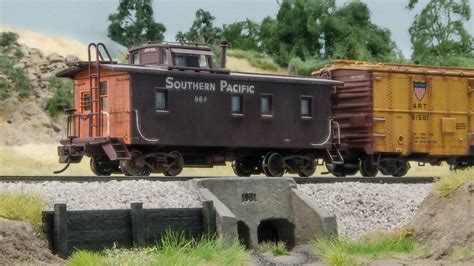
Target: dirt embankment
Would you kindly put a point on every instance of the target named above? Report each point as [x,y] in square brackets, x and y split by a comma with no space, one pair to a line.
[443,223]
[21,244]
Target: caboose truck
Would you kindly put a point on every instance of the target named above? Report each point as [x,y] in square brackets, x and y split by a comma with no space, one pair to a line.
[168,108]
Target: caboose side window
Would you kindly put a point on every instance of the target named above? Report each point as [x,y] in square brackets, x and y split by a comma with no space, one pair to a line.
[306,106]
[161,100]
[237,105]
[104,96]
[266,103]
[85,101]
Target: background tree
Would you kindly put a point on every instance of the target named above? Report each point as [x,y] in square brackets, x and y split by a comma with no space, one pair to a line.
[318,30]
[202,30]
[438,34]
[134,23]
[243,35]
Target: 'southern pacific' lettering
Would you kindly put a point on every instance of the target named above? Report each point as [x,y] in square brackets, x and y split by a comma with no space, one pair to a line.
[224,86]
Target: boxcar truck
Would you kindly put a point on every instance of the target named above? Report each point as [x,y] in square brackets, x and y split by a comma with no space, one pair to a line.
[392,114]
[168,108]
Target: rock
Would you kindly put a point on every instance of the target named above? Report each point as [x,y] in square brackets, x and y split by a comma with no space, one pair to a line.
[30,109]
[54,57]
[71,58]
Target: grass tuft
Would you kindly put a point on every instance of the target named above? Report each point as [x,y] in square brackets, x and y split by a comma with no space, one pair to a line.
[452,181]
[173,249]
[19,206]
[343,251]
[277,249]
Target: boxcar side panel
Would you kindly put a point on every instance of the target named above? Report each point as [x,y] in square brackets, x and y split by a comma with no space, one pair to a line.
[421,114]
[203,118]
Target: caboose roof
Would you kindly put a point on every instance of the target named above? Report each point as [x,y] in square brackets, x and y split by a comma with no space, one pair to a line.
[144,69]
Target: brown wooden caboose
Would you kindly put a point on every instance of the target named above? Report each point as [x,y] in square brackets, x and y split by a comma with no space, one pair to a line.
[169,108]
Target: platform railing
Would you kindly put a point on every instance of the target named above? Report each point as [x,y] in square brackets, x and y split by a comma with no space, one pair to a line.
[71,126]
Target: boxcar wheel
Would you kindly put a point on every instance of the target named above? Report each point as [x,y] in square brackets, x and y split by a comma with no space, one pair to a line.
[101,166]
[368,168]
[136,166]
[402,169]
[336,170]
[177,165]
[272,165]
[241,168]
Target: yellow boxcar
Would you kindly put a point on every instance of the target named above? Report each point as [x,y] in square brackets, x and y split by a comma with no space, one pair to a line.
[389,114]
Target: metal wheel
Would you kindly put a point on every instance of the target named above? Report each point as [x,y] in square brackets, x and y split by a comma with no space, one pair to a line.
[101,166]
[394,166]
[402,169]
[136,166]
[241,168]
[176,166]
[272,165]
[310,168]
[336,170]
[368,168]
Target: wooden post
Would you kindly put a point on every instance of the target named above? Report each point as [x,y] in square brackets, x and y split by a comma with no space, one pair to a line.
[138,224]
[60,230]
[209,217]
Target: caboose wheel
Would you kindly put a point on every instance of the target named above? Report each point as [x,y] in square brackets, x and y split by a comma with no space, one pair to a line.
[136,166]
[241,168]
[272,165]
[310,168]
[368,168]
[101,166]
[176,166]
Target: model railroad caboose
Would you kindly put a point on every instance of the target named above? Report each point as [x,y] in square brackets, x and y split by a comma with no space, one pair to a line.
[390,114]
[169,108]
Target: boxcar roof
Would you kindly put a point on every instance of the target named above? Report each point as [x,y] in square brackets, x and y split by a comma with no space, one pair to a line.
[396,68]
[72,71]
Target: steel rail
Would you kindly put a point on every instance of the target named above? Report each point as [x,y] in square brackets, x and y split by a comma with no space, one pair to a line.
[298,180]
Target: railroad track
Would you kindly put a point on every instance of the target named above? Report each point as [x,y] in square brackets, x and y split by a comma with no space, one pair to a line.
[299,180]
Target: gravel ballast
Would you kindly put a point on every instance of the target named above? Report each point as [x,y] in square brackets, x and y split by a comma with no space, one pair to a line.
[112,194]
[360,208]
[363,208]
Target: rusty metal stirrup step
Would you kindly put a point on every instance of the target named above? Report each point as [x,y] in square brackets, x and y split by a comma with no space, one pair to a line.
[116,150]
[335,156]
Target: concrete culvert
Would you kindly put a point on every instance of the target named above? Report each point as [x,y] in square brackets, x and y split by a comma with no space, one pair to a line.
[275,230]
[244,233]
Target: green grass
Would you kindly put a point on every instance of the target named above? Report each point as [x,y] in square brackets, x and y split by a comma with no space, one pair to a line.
[174,249]
[19,206]
[277,249]
[255,59]
[305,68]
[452,181]
[342,251]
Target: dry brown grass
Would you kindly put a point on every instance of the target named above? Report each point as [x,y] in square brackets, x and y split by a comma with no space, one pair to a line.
[243,65]
[49,44]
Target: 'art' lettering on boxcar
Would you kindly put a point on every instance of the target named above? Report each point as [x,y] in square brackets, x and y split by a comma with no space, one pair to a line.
[224,86]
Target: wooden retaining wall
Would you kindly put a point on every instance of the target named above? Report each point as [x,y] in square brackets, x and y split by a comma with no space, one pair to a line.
[95,230]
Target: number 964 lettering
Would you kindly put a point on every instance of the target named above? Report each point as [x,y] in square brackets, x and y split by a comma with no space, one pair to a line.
[200,99]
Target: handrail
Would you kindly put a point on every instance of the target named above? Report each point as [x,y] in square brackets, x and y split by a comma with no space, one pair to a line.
[65,135]
[139,129]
